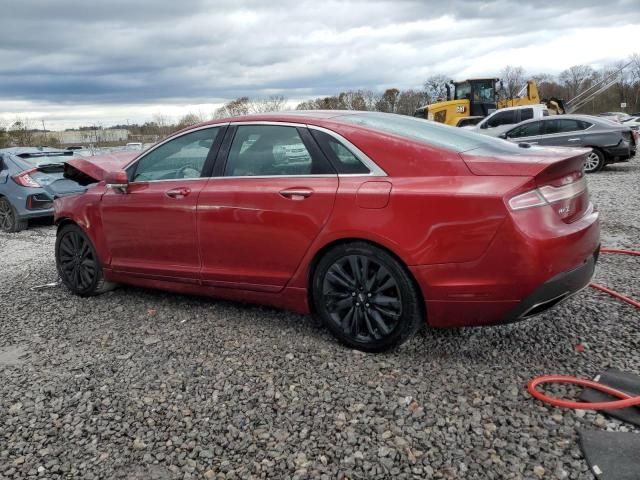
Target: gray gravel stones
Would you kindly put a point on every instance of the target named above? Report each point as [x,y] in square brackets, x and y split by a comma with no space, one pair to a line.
[145,384]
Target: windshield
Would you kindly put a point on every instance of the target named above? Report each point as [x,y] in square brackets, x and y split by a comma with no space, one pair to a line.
[428,132]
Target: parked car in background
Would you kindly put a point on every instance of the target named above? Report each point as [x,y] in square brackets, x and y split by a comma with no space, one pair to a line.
[619,117]
[632,122]
[30,179]
[133,146]
[375,222]
[501,120]
[610,142]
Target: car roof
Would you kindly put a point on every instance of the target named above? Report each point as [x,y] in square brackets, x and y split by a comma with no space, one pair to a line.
[30,150]
[520,107]
[601,122]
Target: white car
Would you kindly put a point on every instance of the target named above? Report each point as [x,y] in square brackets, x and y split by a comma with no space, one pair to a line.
[502,120]
[633,122]
[133,146]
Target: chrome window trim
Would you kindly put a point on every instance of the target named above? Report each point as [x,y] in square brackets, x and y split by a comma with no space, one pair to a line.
[374,169]
[167,140]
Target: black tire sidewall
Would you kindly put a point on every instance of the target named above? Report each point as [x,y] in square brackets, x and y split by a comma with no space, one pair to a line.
[97,282]
[412,312]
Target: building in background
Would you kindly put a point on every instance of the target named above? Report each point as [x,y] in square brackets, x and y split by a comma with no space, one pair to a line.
[94,137]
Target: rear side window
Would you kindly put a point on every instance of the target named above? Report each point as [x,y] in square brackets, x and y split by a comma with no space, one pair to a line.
[425,131]
[271,150]
[526,114]
[529,130]
[565,125]
[502,118]
[343,159]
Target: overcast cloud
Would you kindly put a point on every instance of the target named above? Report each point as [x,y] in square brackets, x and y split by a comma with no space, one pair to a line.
[72,62]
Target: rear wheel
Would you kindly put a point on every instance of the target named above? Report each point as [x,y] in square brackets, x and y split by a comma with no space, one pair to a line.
[366,297]
[594,161]
[9,221]
[78,264]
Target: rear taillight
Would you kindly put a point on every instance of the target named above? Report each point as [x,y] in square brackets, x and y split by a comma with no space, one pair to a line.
[547,195]
[24,179]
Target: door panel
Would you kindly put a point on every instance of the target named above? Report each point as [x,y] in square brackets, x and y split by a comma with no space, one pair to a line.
[151,231]
[255,231]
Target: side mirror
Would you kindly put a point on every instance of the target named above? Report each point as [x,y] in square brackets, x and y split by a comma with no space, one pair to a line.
[503,135]
[117,180]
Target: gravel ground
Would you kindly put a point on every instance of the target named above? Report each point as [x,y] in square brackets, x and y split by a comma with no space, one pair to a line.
[144,384]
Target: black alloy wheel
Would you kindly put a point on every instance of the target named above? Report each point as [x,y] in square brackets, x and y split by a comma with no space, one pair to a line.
[77,262]
[9,222]
[366,297]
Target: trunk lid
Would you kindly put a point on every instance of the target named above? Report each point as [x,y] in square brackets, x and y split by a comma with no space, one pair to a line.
[556,173]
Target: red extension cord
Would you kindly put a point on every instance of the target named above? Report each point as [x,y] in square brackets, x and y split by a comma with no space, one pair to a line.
[625,400]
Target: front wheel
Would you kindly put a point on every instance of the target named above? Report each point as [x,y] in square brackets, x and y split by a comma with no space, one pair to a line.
[594,161]
[366,298]
[78,264]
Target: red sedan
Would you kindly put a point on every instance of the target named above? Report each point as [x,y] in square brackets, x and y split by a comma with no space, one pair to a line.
[376,223]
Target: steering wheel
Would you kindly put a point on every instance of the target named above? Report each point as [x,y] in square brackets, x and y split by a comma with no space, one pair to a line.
[188,172]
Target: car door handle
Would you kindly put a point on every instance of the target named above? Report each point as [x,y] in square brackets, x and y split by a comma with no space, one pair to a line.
[180,192]
[573,140]
[296,193]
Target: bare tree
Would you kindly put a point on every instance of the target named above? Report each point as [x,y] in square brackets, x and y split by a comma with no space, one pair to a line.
[408,101]
[577,79]
[388,101]
[513,79]
[274,103]
[163,123]
[22,132]
[239,106]
[435,89]
[188,120]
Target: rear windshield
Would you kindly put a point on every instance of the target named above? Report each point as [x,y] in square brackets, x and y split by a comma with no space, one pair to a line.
[428,132]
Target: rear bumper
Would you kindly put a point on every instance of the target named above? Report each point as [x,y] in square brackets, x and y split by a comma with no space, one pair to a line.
[532,264]
[555,291]
[623,151]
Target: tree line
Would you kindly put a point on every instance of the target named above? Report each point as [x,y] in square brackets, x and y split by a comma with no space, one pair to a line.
[566,85]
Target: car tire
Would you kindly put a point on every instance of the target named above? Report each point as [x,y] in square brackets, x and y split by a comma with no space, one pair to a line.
[366,297]
[78,264]
[9,221]
[594,161]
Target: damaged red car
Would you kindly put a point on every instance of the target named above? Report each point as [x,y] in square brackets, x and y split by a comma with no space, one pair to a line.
[376,223]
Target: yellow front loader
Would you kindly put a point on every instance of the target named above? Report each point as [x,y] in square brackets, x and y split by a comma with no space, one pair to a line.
[471,100]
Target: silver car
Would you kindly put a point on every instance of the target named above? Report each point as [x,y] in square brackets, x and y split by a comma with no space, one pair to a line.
[30,179]
[610,142]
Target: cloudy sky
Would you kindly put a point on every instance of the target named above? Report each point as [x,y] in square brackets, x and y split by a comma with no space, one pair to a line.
[76,62]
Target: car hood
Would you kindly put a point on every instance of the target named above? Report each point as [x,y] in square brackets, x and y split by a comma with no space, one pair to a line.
[97,167]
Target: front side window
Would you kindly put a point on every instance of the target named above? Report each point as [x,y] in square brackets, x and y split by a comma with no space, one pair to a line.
[502,118]
[270,150]
[182,157]
[569,125]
